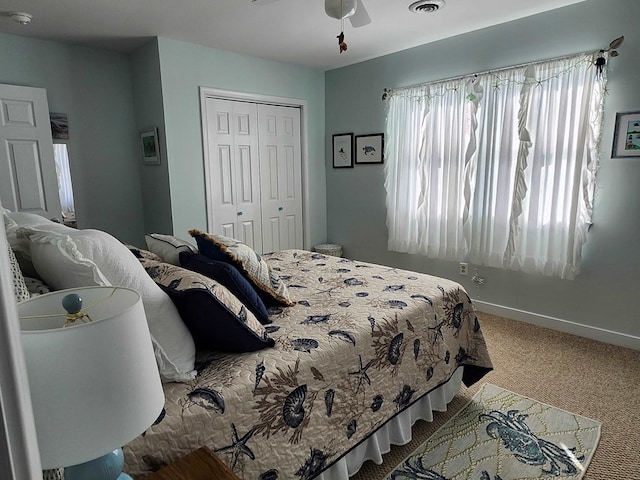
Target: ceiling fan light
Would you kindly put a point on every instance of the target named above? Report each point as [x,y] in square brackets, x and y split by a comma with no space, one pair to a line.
[340,8]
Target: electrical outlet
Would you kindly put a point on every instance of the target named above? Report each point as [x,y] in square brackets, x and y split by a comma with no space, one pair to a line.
[464,269]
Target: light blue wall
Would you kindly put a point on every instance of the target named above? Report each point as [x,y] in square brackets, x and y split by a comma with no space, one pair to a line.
[154,179]
[185,68]
[604,294]
[109,97]
[93,87]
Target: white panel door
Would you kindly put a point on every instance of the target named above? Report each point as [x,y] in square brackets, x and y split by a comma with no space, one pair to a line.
[28,181]
[280,177]
[233,171]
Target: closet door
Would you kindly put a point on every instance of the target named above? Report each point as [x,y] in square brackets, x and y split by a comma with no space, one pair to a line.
[233,171]
[280,177]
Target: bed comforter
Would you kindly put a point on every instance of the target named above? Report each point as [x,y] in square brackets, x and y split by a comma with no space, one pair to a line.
[362,343]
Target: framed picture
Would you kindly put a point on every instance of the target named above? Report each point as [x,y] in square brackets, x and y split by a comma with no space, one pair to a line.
[343,150]
[150,147]
[626,138]
[370,148]
[59,126]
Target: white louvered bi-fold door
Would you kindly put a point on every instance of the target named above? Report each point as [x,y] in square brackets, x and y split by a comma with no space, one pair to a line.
[28,180]
[234,171]
[280,177]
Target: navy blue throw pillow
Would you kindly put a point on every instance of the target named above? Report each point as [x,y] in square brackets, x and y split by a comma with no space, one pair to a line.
[229,276]
[216,319]
[252,266]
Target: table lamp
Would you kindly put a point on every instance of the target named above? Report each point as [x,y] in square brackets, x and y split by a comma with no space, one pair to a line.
[93,377]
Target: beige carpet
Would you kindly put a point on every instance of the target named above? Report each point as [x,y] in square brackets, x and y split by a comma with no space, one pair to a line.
[593,379]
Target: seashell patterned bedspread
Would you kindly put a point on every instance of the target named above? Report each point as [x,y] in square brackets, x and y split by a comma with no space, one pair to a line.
[362,343]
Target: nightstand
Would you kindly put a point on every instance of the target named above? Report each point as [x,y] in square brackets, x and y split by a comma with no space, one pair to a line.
[201,464]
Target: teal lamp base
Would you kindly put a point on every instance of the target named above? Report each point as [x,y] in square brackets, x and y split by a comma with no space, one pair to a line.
[107,467]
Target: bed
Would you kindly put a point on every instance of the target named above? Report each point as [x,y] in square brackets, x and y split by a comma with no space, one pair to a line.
[351,359]
[362,344]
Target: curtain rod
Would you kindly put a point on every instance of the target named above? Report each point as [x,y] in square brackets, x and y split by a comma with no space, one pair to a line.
[612,46]
[387,91]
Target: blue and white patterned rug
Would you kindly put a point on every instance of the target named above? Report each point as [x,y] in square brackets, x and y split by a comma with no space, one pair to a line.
[501,435]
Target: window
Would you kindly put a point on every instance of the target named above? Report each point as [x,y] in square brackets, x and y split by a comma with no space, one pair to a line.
[499,168]
[65,189]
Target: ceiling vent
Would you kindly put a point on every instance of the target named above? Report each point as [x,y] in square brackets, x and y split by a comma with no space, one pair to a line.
[426,6]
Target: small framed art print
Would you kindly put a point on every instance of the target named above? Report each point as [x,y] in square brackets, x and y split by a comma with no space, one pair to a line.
[370,148]
[150,147]
[626,138]
[59,126]
[343,150]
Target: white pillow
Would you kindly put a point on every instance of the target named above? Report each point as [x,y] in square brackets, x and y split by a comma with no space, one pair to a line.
[92,257]
[168,247]
[14,220]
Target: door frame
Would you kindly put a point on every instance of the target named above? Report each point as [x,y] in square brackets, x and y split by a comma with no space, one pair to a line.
[209,92]
[19,453]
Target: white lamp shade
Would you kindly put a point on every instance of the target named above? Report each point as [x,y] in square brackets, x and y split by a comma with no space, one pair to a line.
[94,386]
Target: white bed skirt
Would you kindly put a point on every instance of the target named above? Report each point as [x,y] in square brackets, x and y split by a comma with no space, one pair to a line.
[396,431]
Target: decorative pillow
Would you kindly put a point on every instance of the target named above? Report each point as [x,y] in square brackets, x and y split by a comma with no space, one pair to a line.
[19,286]
[92,257]
[36,286]
[229,276]
[255,269]
[168,247]
[141,253]
[216,318]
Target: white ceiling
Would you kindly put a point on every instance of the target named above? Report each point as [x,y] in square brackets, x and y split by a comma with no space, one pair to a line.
[292,31]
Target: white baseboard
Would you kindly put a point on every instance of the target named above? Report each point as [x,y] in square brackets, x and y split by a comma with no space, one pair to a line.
[595,333]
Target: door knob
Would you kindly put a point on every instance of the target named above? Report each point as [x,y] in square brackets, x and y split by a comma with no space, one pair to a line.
[280,209]
[239,213]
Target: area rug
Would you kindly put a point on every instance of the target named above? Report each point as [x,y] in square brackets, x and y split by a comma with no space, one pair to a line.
[501,435]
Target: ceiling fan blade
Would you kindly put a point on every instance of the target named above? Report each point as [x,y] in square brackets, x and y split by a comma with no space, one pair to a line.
[361,17]
[263,2]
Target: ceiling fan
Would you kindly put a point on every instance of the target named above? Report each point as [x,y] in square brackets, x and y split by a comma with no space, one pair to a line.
[340,9]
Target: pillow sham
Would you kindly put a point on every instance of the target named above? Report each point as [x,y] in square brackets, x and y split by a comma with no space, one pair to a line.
[15,220]
[255,269]
[93,257]
[229,276]
[216,318]
[168,247]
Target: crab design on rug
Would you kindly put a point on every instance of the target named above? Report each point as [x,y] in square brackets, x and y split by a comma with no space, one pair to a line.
[527,447]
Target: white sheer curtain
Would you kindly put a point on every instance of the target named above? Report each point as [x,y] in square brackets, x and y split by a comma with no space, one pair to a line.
[498,168]
[405,123]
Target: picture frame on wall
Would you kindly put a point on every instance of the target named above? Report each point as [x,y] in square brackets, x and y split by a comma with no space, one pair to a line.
[59,126]
[370,148]
[150,146]
[343,150]
[626,137]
